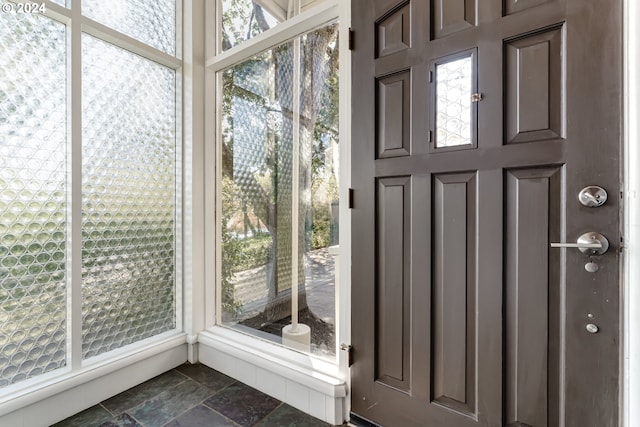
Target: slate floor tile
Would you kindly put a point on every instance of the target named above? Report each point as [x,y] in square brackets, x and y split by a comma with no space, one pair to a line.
[201,416]
[92,417]
[138,394]
[192,396]
[242,404]
[215,380]
[169,404]
[122,420]
[288,416]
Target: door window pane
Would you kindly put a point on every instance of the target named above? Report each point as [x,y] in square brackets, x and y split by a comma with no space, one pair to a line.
[150,21]
[280,125]
[33,195]
[454,87]
[129,197]
[244,19]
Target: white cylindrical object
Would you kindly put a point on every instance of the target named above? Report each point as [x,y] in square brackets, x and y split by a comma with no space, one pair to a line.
[298,338]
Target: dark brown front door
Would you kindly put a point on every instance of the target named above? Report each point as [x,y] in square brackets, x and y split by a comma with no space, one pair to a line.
[476,124]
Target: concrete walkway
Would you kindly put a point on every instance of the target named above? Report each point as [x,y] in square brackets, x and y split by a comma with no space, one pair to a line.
[251,289]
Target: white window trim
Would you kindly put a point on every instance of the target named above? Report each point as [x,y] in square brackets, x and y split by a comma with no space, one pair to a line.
[290,29]
[281,33]
[630,369]
[264,365]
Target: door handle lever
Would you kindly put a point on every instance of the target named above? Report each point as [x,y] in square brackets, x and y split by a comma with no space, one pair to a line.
[591,243]
[596,245]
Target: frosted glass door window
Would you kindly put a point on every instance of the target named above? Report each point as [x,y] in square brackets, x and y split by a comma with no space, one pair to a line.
[280,125]
[129,197]
[454,87]
[33,197]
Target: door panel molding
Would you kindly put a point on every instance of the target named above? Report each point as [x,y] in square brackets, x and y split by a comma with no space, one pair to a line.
[534,87]
[514,6]
[393,105]
[452,16]
[532,294]
[393,30]
[393,282]
[454,289]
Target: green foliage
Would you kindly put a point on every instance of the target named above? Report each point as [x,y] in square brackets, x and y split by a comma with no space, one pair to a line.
[255,251]
[321,229]
[231,247]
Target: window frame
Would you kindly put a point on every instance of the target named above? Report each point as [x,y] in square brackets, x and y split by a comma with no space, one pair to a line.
[25,392]
[216,62]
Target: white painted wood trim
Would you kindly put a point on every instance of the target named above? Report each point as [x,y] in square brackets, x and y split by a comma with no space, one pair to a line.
[114,37]
[631,255]
[134,365]
[74,178]
[297,380]
[343,293]
[193,219]
[307,20]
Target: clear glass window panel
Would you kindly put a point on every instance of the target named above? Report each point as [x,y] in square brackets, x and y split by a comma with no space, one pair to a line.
[129,197]
[60,2]
[244,19]
[454,86]
[259,132]
[150,21]
[33,194]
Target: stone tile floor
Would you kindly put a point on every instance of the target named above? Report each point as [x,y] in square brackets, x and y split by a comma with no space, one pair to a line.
[191,396]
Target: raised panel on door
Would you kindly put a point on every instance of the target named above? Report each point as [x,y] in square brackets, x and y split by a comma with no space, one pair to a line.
[393,31]
[514,6]
[534,87]
[452,16]
[454,287]
[393,282]
[393,104]
[532,290]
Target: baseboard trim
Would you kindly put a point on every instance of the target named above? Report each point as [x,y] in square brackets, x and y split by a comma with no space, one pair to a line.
[316,393]
[63,397]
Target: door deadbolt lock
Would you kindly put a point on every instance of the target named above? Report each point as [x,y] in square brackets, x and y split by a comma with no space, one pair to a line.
[592,196]
[590,243]
[592,329]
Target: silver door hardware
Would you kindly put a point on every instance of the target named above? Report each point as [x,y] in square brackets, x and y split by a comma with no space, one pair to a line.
[592,267]
[591,243]
[592,196]
[592,329]
[476,97]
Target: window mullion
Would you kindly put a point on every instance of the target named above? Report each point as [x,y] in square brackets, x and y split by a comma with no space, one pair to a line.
[74,316]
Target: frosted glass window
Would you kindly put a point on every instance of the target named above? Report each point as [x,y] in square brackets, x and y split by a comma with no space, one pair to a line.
[244,19]
[33,194]
[129,197]
[454,87]
[150,21]
[270,141]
